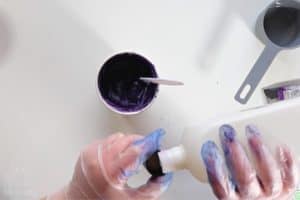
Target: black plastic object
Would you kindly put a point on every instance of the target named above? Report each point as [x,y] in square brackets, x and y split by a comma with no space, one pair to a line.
[153,165]
[271,93]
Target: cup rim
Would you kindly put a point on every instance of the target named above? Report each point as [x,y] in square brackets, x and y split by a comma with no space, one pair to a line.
[261,20]
[112,108]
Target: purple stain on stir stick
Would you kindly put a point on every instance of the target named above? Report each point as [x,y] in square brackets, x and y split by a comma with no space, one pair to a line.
[119,84]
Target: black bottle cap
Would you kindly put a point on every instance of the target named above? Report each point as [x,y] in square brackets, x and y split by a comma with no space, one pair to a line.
[271,93]
[153,165]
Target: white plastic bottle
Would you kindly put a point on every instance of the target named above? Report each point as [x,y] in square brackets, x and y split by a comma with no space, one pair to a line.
[279,120]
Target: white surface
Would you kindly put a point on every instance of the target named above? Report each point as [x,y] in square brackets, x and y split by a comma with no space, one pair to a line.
[50,53]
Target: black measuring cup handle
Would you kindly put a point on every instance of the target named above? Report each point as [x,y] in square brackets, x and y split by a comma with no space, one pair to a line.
[257,72]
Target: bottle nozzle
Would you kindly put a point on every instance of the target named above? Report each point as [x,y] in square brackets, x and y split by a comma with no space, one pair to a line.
[172,159]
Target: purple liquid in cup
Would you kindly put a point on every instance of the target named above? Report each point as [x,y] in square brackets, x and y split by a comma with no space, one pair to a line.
[119,84]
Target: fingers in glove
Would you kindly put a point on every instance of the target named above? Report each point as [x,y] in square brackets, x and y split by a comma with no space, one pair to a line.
[119,145]
[112,138]
[138,152]
[91,170]
[133,157]
[121,166]
[241,171]
[288,166]
[124,157]
[266,166]
[216,171]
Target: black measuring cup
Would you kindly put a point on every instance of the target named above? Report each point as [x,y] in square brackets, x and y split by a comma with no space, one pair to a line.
[278,27]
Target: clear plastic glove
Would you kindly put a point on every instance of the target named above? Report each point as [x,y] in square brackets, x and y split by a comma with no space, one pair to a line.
[104,167]
[268,178]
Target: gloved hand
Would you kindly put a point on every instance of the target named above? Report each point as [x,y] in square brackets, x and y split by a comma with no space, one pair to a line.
[269,178]
[104,167]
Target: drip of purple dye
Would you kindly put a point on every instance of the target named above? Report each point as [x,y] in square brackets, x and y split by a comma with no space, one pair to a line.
[119,83]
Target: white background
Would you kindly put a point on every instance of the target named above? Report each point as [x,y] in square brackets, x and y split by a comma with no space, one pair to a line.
[50,53]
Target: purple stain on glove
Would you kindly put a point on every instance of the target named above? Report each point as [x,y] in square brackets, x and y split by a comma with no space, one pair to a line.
[213,161]
[227,133]
[254,140]
[252,130]
[215,169]
[227,137]
[148,145]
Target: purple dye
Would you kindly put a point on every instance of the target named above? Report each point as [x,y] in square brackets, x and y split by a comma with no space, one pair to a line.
[280,93]
[119,84]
